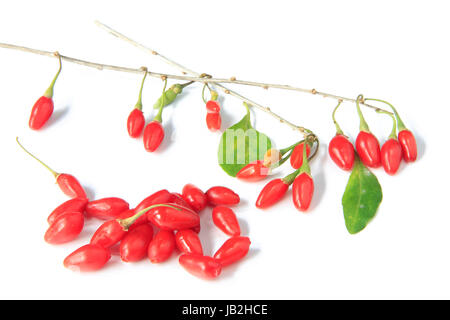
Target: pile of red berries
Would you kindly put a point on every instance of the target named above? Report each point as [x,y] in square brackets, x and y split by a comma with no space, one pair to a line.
[175,215]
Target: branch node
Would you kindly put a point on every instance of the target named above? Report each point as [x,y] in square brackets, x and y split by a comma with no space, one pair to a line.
[233,79]
[163,77]
[154,52]
[227,91]
[266,87]
[314,91]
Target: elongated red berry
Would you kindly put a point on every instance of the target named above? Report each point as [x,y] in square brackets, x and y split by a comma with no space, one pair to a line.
[87,258]
[134,246]
[222,196]
[43,108]
[41,112]
[225,219]
[106,208]
[135,123]
[153,136]
[391,156]
[173,218]
[341,151]
[368,149]
[234,249]
[272,193]
[409,145]
[201,266]
[213,121]
[213,106]
[297,155]
[70,186]
[72,205]
[302,191]
[161,247]
[254,171]
[161,196]
[108,234]
[367,145]
[65,228]
[195,197]
[187,241]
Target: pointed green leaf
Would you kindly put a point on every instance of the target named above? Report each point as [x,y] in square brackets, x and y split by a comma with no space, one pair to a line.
[241,144]
[361,198]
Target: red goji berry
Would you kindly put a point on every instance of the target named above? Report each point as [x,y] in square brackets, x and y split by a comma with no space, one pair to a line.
[201,266]
[173,218]
[225,219]
[391,156]
[68,184]
[187,241]
[272,193]
[232,250]
[341,151]
[222,196]
[161,196]
[253,171]
[72,205]
[135,123]
[108,234]
[66,227]
[107,208]
[153,136]
[368,149]
[195,197]
[161,247]
[302,191]
[90,257]
[297,155]
[43,108]
[41,112]
[367,145]
[409,145]
[213,121]
[134,245]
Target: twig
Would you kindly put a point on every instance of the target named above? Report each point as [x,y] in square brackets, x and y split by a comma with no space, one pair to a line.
[185,70]
[232,80]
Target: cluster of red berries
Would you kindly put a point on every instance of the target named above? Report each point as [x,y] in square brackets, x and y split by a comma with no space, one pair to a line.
[274,191]
[390,155]
[175,215]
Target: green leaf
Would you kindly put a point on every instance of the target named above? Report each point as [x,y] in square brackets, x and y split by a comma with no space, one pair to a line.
[361,198]
[241,144]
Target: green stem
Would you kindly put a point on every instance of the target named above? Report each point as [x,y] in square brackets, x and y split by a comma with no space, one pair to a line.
[139,102]
[283,151]
[393,134]
[363,126]
[291,177]
[158,117]
[55,174]
[401,125]
[186,84]
[247,107]
[203,92]
[126,223]
[338,128]
[49,92]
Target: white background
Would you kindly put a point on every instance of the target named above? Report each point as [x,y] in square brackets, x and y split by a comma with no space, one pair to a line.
[395,50]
